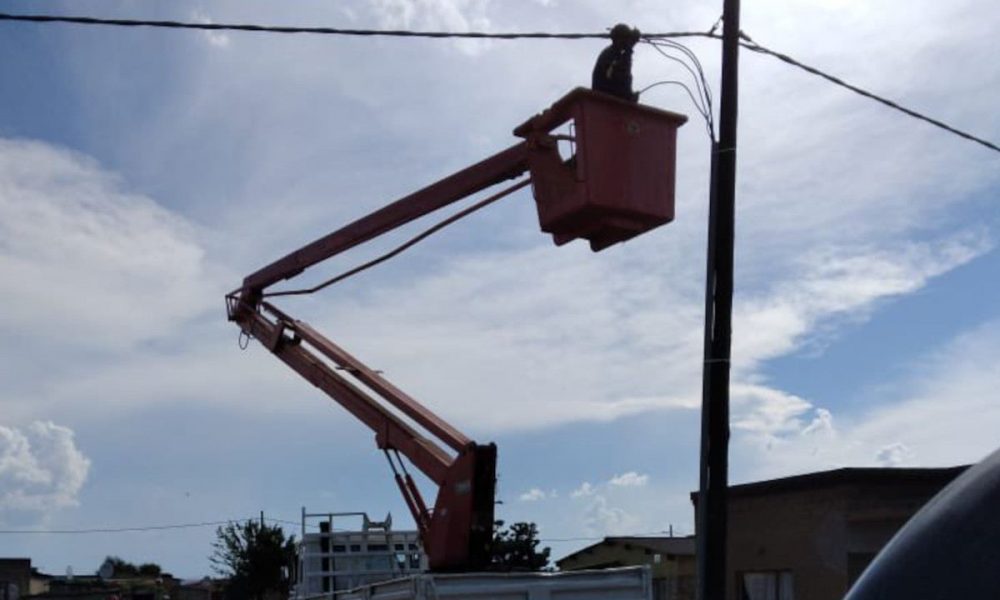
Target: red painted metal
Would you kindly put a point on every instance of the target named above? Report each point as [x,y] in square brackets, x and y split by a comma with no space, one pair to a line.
[501,166]
[458,533]
[620,182]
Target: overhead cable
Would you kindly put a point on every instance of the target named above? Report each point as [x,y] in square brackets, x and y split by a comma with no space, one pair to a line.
[122,529]
[749,44]
[147,527]
[329,30]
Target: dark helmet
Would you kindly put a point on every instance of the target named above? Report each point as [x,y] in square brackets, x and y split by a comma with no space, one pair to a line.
[623,34]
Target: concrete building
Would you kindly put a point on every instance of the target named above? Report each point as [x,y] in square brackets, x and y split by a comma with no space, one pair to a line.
[671,560]
[332,560]
[809,537]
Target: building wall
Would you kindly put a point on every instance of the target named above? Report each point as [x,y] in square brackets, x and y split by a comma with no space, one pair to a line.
[824,537]
[798,531]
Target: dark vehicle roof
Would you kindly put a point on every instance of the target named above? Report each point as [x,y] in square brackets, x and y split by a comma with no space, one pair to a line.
[950,549]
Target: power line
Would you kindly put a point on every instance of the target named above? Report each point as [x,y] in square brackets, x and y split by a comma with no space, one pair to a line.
[122,529]
[142,528]
[328,30]
[749,44]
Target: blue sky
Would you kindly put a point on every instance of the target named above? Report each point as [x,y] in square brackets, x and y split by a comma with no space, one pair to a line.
[143,173]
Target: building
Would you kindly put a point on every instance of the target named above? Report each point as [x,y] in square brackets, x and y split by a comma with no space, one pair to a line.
[15,578]
[671,559]
[809,537]
[332,559]
[205,588]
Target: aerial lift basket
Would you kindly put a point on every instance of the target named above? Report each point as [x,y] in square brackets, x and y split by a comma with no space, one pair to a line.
[620,181]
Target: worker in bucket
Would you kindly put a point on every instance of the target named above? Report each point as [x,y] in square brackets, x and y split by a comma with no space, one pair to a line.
[613,71]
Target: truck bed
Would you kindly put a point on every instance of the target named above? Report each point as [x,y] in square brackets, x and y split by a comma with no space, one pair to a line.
[629,583]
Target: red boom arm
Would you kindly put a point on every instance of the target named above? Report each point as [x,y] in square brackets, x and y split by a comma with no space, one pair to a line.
[457,534]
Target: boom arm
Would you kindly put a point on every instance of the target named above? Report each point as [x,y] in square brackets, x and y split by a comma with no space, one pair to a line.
[457,534]
[619,184]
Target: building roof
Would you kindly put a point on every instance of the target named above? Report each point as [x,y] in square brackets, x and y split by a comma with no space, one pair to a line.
[658,544]
[845,476]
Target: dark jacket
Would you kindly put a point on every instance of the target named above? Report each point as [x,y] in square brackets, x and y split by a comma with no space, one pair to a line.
[613,73]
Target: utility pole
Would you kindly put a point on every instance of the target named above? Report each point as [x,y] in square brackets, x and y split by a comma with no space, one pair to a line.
[714,467]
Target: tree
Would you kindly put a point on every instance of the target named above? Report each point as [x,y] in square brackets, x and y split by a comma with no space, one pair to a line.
[255,557]
[516,548]
[149,570]
[120,568]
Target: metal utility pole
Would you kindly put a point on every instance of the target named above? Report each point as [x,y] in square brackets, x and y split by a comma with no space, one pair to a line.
[713,473]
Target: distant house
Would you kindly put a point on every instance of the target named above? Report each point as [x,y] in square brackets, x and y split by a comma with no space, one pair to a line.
[15,578]
[672,560]
[105,585]
[201,589]
[809,537]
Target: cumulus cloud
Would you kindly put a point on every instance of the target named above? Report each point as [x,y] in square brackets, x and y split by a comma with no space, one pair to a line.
[583,491]
[41,469]
[533,495]
[945,413]
[603,518]
[893,455]
[629,479]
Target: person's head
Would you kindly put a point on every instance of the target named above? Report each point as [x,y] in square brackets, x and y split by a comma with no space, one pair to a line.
[624,36]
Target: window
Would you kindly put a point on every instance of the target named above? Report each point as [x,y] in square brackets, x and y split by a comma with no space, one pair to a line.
[355,547]
[378,547]
[767,585]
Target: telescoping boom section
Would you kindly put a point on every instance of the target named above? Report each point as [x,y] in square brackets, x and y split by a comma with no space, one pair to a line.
[618,183]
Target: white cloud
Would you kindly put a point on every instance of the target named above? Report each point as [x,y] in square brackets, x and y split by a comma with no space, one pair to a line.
[629,479]
[583,491]
[603,518]
[41,469]
[437,15]
[219,39]
[83,261]
[944,414]
[893,455]
[533,495]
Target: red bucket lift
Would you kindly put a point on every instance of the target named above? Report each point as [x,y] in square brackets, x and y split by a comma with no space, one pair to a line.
[620,181]
[618,184]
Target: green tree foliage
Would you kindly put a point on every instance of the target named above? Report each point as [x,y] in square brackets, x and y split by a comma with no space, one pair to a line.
[122,569]
[256,558]
[516,548]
